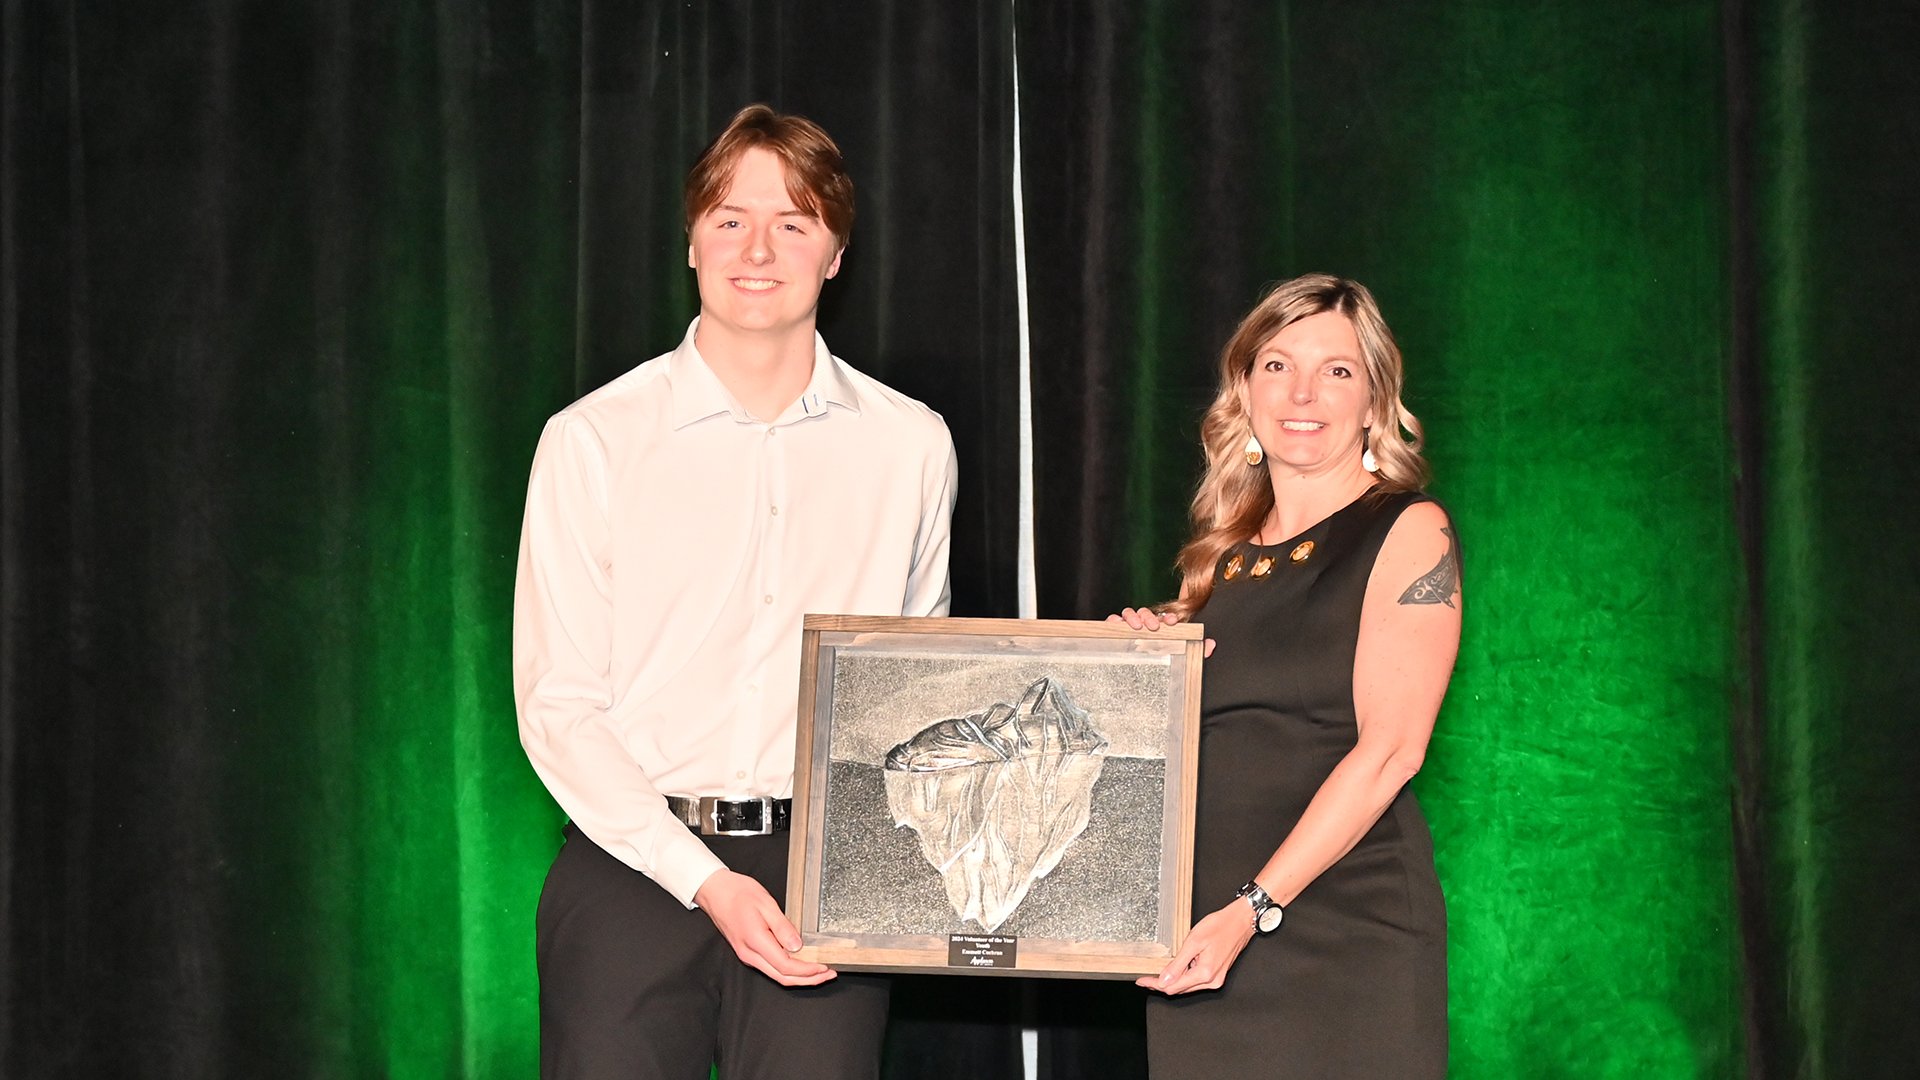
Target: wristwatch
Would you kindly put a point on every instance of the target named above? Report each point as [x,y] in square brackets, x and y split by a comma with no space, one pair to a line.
[1266,913]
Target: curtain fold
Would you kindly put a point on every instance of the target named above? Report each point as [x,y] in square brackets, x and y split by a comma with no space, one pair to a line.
[1157,170]
[1837,225]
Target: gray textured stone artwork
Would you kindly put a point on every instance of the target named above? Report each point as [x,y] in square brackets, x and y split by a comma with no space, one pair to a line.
[998,796]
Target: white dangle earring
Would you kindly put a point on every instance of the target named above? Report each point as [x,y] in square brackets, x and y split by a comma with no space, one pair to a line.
[1367,460]
[1255,455]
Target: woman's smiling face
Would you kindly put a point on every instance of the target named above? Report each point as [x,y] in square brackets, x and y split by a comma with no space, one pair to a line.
[1308,397]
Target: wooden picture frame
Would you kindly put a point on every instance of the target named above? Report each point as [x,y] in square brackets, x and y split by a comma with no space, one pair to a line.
[994,796]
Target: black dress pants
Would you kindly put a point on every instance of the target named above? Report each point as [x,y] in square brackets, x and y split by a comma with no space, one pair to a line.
[633,985]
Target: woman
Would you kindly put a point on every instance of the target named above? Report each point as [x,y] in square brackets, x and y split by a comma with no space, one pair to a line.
[1330,589]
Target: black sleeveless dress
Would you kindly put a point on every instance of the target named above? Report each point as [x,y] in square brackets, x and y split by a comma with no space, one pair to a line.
[1354,982]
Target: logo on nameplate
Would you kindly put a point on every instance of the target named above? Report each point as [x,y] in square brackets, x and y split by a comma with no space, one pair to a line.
[981,950]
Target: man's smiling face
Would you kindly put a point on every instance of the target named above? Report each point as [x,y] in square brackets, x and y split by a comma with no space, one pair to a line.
[760,260]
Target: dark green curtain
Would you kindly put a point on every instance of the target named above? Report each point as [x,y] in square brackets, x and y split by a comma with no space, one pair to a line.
[1651,266]
[1831,333]
[1547,237]
[286,291]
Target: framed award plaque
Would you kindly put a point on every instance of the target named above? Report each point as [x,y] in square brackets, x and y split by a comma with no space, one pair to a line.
[994,796]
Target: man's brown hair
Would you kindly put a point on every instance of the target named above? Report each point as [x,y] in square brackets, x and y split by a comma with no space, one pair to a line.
[817,181]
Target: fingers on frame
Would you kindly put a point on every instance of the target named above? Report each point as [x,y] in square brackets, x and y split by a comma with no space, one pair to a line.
[772,969]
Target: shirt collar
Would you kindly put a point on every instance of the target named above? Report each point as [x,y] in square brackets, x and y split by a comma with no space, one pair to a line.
[699,394]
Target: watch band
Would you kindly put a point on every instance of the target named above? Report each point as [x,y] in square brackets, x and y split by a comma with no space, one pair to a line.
[1267,915]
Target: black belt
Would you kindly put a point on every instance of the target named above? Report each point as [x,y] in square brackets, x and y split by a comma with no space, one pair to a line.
[755,815]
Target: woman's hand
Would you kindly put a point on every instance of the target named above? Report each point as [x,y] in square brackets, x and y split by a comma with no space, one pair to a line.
[1210,949]
[1141,618]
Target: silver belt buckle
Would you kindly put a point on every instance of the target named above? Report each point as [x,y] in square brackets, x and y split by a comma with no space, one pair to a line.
[711,809]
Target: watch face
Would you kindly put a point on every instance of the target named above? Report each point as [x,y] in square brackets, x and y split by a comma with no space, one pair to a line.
[1270,919]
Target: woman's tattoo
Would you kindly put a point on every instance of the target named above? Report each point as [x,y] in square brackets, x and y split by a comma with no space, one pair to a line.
[1440,584]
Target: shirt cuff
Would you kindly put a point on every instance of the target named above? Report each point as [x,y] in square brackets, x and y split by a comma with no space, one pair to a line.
[683,864]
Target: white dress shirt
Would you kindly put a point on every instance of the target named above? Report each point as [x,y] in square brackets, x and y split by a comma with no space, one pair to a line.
[671,546]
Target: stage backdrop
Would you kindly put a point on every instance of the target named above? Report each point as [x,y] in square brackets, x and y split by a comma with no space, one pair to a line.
[286,292]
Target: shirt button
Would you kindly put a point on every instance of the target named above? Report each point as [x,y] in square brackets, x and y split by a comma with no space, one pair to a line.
[774,510]
[771,432]
[767,599]
[741,775]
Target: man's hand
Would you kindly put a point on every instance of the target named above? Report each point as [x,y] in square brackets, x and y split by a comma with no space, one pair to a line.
[746,915]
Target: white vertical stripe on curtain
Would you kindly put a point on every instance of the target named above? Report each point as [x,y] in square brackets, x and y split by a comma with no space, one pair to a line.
[1025,586]
[1026,589]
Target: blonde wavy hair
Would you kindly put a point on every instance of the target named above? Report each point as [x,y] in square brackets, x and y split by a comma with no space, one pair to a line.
[1234,498]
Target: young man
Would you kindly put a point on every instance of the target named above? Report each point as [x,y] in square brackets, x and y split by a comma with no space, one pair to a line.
[680,522]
